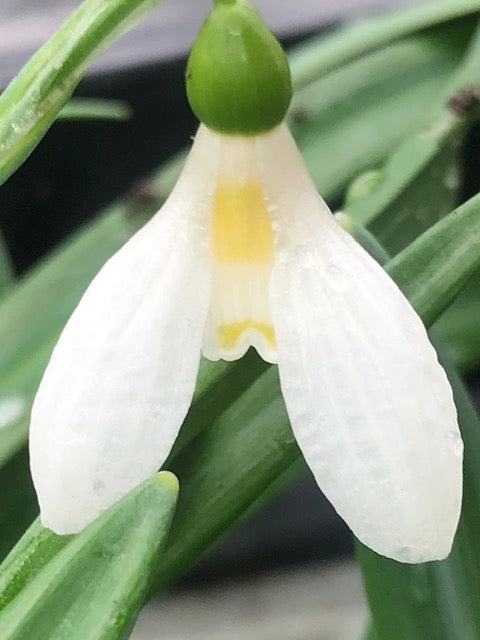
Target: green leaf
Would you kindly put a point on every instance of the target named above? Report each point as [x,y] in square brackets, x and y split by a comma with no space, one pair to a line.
[91,585]
[95,109]
[33,99]
[423,159]
[422,202]
[436,267]
[225,469]
[18,500]
[459,328]
[396,88]
[369,634]
[323,55]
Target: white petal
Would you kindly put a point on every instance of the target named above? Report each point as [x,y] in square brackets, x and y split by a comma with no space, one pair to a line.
[239,313]
[241,243]
[370,406]
[122,375]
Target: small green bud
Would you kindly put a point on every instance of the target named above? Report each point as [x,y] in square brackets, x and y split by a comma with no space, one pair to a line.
[238,78]
[363,185]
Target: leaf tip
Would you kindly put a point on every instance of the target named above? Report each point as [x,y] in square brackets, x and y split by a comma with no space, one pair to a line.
[169,480]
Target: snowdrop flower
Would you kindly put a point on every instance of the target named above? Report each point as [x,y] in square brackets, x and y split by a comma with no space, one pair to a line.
[246,253]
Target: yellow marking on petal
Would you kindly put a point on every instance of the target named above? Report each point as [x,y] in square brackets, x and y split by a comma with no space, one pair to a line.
[241,228]
[229,334]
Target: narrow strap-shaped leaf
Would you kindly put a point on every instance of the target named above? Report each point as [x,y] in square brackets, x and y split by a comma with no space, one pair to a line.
[91,585]
[356,39]
[396,87]
[435,267]
[369,634]
[31,553]
[225,469]
[31,102]
[459,327]
[420,150]
[95,109]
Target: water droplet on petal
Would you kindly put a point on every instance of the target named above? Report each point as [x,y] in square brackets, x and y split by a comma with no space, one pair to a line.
[99,487]
[337,278]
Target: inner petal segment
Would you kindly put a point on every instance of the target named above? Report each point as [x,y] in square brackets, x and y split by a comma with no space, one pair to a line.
[239,314]
[241,243]
[241,229]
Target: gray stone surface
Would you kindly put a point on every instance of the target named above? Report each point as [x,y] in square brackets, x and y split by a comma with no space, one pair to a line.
[317,602]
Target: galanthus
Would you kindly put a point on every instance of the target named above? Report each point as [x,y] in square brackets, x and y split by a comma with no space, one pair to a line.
[244,254]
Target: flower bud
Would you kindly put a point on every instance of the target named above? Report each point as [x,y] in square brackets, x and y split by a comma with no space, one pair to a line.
[238,79]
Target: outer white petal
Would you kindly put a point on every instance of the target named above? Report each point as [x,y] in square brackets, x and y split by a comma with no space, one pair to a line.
[122,375]
[370,406]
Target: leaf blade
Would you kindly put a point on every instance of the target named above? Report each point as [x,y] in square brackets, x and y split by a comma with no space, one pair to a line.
[367,35]
[436,266]
[90,585]
[33,99]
